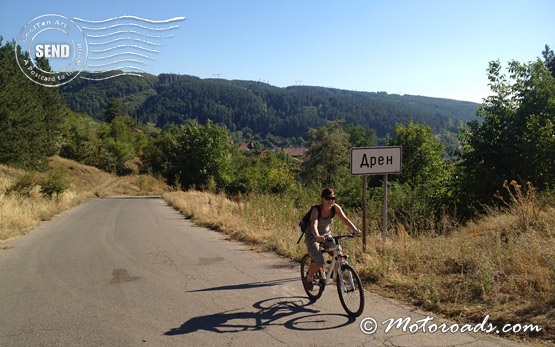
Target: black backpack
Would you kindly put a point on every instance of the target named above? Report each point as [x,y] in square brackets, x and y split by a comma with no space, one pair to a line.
[305,222]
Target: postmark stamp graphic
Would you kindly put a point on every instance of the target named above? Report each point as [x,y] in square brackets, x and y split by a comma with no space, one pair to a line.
[52,50]
[56,50]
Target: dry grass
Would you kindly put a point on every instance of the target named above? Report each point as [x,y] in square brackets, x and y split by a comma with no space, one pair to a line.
[266,223]
[502,265]
[21,212]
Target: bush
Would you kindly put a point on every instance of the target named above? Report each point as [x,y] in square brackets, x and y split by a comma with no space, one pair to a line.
[24,185]
[54,185]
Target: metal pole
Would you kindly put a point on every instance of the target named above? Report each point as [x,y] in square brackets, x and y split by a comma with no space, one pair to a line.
[384,208]
[364,208]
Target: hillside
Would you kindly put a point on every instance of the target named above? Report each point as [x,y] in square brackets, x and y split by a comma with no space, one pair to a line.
[259,108]
[22,206]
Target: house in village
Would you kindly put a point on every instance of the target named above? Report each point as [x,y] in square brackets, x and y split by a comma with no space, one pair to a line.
[295,152]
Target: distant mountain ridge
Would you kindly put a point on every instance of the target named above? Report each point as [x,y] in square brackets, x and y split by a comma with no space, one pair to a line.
[260,108]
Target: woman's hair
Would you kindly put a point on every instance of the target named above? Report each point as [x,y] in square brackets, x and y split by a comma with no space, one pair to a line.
[327,192]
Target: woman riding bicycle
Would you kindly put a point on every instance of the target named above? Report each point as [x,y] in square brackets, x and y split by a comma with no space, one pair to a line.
[319,229]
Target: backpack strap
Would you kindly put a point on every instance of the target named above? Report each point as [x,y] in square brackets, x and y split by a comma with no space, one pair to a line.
[319,210]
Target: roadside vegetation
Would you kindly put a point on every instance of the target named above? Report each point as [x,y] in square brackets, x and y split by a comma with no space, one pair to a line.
[500,264]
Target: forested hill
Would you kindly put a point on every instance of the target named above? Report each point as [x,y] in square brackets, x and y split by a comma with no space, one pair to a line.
[258,107]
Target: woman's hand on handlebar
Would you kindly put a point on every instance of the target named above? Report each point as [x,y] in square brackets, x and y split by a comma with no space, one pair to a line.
[320,239]
[357,232]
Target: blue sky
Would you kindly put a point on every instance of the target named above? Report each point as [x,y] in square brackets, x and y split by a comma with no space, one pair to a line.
[420,47]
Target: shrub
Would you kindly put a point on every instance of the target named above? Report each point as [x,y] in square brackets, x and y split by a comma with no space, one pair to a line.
[54,185]
[24,185]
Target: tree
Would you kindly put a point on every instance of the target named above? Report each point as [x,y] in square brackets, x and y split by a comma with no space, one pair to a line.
[327,160]
[112,110]
[419,193]
[80,139]
[422,155]
[160,155]
[360,136]
[269,174]
[118,141]
[549,61]
[203,155]
[30,114]
[191,155]
[516,138]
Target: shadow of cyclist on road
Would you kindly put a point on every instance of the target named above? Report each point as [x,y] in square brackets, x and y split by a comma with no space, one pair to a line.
[269,312]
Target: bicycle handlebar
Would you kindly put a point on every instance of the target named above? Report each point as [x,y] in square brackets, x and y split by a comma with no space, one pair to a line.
[338,237]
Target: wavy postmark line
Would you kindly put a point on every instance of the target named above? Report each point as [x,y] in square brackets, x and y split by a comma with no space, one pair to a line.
[125,39]
[124,33]
[119,61]
[131,24]
[112,76]
[123,53]
[129,32]
[131,17]
[119,68]
[124,46]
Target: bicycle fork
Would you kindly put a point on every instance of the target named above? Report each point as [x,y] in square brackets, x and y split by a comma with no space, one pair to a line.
[347,284]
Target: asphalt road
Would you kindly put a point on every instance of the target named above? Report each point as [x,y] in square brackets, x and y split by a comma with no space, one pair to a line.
[134,272]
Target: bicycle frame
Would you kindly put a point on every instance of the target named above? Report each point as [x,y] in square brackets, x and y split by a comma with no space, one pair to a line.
[334,267]
[349,286]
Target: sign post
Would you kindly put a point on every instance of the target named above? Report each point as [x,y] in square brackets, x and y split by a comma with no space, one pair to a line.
[379,160]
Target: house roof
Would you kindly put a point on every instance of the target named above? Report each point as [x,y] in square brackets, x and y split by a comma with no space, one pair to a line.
[295,151]
[247,146]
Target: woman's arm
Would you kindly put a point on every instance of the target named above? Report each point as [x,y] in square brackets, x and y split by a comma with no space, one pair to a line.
[345,220]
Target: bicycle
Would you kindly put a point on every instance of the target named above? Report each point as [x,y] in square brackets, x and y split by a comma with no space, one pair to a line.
[349,287]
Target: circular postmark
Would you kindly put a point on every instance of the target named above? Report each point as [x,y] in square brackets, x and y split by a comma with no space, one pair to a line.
[54,50]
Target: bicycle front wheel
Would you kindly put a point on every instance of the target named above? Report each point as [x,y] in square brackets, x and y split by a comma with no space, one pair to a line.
[317,289]
[351,293]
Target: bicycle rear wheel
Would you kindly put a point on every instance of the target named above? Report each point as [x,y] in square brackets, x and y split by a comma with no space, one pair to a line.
[318,289]
[351,293]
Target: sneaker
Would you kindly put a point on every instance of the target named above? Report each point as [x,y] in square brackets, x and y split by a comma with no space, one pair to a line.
[308,285]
